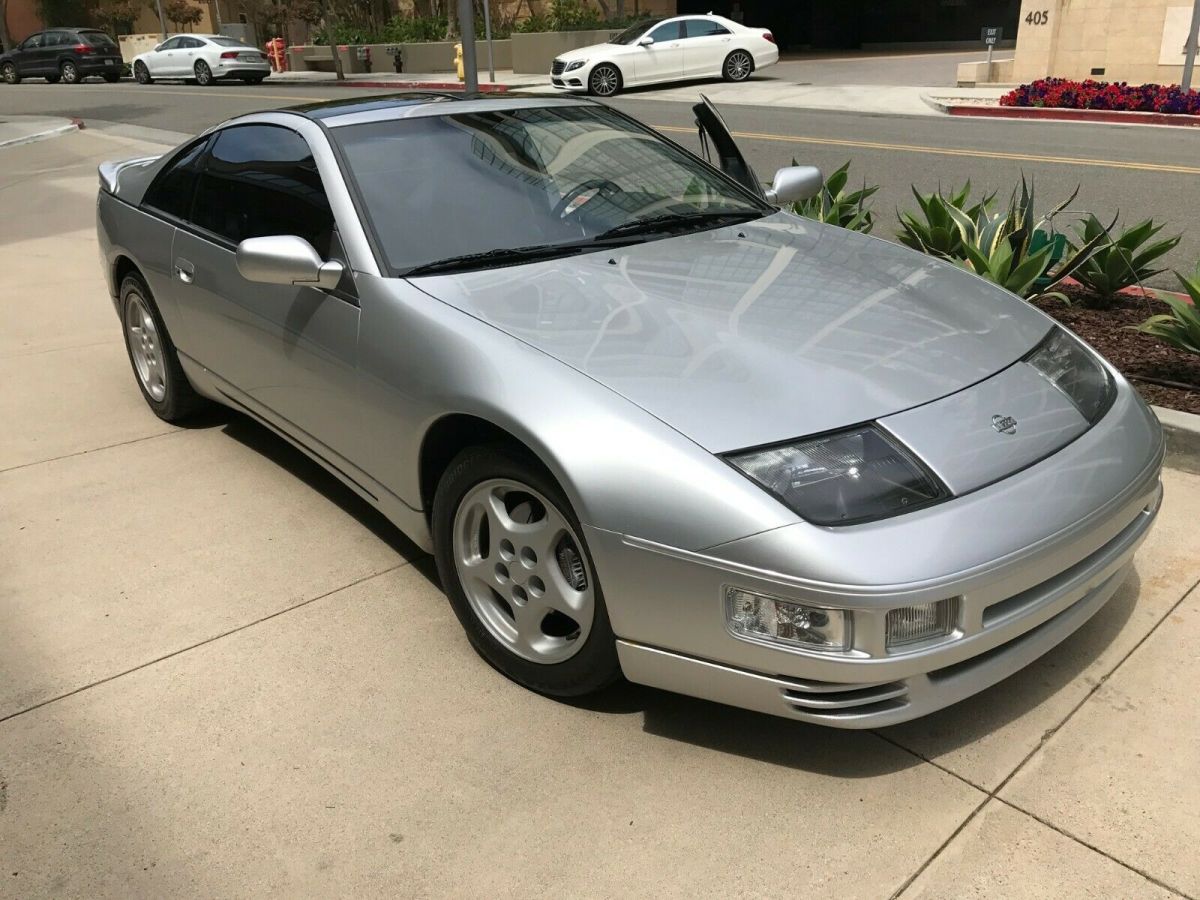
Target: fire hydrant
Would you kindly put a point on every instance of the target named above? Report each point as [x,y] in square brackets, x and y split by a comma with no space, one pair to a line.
[277,53]
[458,62]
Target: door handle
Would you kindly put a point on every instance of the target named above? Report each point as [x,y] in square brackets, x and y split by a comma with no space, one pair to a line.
[185,271]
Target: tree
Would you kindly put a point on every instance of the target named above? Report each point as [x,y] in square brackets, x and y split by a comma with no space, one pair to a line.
[116,16]
[182,13]
[5,40]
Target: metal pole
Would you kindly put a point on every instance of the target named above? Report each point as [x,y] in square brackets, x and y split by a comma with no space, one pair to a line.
[989,64]
[466,28]
[162,22]
[487,30]
[1189,60]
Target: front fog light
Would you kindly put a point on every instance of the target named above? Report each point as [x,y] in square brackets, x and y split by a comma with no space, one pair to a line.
[759,615]
[914,624]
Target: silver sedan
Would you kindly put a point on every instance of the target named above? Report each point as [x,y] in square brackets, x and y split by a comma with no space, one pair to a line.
[649,425]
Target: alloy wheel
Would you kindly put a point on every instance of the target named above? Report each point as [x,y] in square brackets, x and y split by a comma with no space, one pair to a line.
[739,66]
[70,73]
[145,347]
[141,73]
[10,73]
[524,571]
[605,81]
[203,74]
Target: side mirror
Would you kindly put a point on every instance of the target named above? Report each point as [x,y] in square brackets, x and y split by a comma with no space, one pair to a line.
[795,183]
[286,259]
[645,42]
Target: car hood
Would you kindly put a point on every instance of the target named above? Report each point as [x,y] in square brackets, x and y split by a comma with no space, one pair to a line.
[585,53]
[761,332]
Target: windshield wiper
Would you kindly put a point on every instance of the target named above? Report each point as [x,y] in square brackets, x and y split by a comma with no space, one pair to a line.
[501,256]
[674,221]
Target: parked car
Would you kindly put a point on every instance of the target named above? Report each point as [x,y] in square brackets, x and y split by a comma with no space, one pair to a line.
[63,54]
[648,424]
[203,58]
[658,50]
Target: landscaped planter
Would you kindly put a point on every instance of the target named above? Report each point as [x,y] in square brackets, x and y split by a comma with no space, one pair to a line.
[318,58]
[436,56]
[533,53]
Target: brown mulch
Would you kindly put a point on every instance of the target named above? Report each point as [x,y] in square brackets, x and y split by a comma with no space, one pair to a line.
[1146,361]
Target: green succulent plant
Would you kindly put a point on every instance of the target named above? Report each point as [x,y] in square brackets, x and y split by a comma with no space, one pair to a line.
[1180,328]
[1122,260]
[933,231]
[834,205]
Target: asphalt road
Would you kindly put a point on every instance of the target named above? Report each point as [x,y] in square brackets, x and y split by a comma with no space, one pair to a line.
[1138,171]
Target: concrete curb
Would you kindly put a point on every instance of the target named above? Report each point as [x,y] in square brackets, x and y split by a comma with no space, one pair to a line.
[1106,116]
[1183,438]
[67,126]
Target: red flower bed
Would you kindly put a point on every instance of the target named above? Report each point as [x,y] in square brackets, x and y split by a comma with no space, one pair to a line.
[1061,93]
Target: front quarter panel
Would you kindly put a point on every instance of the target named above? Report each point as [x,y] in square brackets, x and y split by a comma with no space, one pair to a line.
[622,469]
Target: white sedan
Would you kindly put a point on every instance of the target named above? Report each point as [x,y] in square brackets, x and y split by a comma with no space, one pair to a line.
[203,58]
[674,49]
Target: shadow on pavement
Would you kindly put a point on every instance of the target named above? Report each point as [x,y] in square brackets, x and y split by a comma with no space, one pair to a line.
[851,754]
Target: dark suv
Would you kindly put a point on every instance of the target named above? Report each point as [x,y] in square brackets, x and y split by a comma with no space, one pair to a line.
[63,54]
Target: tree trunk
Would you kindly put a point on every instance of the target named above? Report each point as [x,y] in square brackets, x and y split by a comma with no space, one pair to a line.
[5,41]
[331,38]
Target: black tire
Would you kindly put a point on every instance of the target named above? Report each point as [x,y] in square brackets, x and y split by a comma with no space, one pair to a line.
[605,80]
[9,73]
[738,66]
[69,72]
[112,77]
[594,665]
[180,399]
[141,73]
[204,75]
[52,79]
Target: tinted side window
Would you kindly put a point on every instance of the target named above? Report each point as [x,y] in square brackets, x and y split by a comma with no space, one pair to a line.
[669,32]
[175,185]
[261,180]
[32,42]
[703,28]
[172,44]
[56,39]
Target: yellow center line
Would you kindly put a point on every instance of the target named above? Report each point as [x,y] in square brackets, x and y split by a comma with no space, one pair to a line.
[953,151]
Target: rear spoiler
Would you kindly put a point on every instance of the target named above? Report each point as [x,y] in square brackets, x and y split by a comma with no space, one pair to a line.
[110,172]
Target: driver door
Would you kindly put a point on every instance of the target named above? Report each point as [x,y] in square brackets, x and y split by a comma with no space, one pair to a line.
[161,61]
[287,353]
[30,57]
[663,59]
[717,140]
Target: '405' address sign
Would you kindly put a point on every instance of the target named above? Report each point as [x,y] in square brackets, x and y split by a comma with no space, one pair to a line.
[1038,17]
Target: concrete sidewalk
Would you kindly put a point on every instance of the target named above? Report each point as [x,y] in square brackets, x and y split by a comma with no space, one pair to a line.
[222,675]
[16,130]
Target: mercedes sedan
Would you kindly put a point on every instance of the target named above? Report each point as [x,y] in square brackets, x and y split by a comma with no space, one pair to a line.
[648,424]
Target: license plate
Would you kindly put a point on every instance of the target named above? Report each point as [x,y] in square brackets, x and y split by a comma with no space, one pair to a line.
[110,62]
[249,57]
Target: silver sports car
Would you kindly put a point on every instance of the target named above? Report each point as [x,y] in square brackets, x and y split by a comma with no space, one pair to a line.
[649,425]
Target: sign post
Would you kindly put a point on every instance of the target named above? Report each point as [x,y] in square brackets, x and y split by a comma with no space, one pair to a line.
[991,36]
[1189,60]
[466,29]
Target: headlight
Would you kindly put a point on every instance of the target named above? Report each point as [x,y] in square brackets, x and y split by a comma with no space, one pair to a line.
[577,64]
[751,614]
[844,478]
[1075,372]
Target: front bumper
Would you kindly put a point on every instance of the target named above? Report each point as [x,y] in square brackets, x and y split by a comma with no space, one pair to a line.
[1023,586]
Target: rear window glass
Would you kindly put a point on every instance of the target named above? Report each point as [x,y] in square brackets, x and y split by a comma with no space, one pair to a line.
[229,42]
[97,38]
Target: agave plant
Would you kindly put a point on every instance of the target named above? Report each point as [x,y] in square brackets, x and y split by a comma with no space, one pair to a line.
[1000,247]
[935,232]
[837,206]
[1182,327]
[1123,260]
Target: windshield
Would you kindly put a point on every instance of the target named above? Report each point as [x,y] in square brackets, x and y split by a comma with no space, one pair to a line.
[440,187]
[228,42]
[633,32]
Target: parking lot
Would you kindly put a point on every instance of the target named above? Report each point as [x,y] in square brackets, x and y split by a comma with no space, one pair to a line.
[222,675]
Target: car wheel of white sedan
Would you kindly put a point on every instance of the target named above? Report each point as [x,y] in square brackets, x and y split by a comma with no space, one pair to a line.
[204,75]
[141,73]
[605,80]
[738,66]
[512,560]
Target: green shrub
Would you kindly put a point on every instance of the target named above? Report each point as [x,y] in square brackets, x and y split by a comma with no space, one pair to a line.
[837,206]
[1120,261]
[935,231]
[998,246]
[1181,328]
